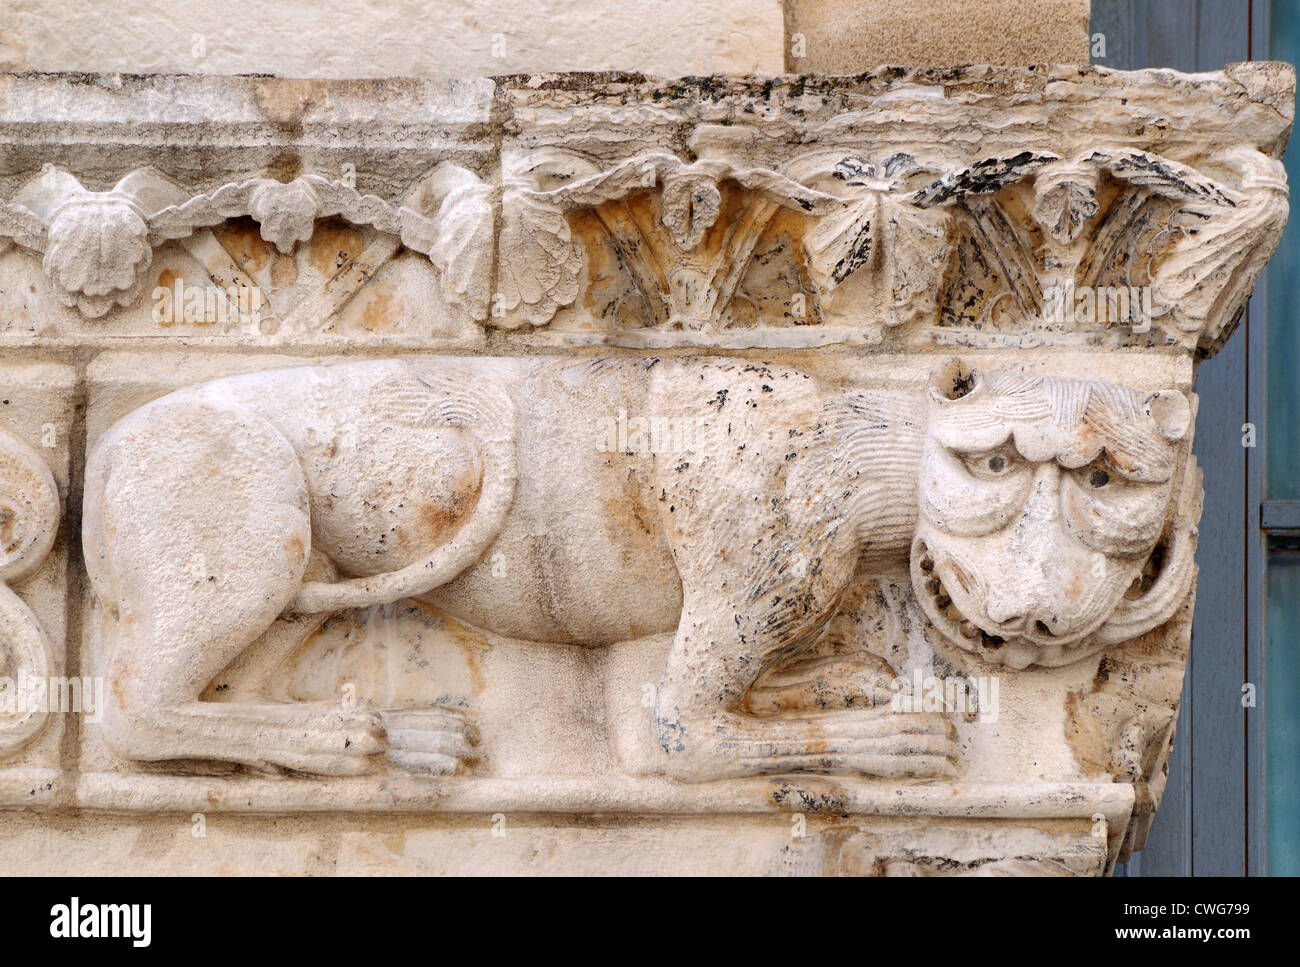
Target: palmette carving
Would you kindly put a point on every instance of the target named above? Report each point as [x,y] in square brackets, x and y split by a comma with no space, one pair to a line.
[537,242]
[897,226]
[1196,242]
[98,245]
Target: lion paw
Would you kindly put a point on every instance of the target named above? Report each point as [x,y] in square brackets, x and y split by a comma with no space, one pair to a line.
[872,743]
[435,741]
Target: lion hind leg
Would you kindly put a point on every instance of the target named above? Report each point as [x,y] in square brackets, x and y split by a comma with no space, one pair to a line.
[204,539]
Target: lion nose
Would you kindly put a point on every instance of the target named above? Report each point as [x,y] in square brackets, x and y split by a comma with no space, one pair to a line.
[1004,614]
[1019,618]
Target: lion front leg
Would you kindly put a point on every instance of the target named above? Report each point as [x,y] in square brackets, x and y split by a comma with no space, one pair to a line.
[703,735]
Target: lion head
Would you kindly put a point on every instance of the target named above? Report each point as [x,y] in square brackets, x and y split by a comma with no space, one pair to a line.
[1048,524]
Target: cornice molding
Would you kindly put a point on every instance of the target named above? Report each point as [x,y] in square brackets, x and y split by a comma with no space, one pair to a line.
[908,207]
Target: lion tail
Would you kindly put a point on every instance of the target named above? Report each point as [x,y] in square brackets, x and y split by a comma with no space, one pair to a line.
[484,409]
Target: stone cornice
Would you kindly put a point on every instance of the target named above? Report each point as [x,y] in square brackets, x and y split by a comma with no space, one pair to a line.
[901,207]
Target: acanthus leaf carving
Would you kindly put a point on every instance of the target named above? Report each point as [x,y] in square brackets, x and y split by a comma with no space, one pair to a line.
[1065,199]
[775,566]
[882,231]
[538,263]
[1226,240]
[877,230]
[96,243]
[286,211]
[535,231]
[450,216]
[894,238]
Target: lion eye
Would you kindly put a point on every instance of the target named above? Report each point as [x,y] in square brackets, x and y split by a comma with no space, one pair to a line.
[1098,479]
[990,466]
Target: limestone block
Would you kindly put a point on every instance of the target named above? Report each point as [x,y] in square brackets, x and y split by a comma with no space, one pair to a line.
[415,38]
[850,36]
[171,845]
[531,845]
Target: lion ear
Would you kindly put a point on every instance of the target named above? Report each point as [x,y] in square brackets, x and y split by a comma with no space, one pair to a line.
[954,380]
[1171,412]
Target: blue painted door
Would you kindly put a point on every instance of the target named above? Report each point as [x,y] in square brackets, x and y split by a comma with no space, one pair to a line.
[1230,807]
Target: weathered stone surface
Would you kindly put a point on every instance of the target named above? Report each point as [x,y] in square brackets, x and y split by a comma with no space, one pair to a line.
[538,844]
[352,38]
[37,427]
[846,36]
[457,38]
[807,458]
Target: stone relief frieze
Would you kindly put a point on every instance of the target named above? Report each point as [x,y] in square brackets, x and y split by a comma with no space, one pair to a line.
[98,245]
[800,446]
[978,248]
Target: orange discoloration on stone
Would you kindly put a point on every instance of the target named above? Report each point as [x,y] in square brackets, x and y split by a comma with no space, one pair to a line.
[283,101]
[243,240]
[437,519]
[285,166]
[380,311]
[333,245]
[469,642]
[608,291]
[284,271]
[294,549]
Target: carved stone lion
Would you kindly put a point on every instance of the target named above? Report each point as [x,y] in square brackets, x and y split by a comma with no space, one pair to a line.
[1039,517]
[1049,528]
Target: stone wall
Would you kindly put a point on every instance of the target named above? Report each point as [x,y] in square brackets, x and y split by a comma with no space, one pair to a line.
[464,38]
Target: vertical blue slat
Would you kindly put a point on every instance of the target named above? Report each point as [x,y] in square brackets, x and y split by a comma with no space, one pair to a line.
[1257,318]
[1168,849]
[1202,823]
[1277,738]
[1114,20]
[1218,740]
